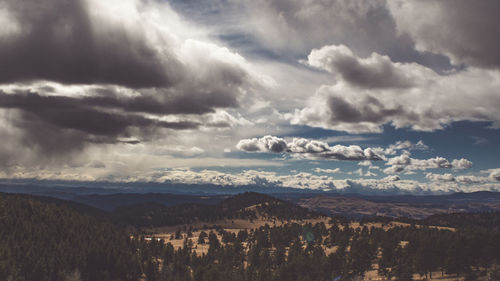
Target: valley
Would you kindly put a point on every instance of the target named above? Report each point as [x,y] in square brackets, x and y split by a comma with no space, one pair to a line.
[248,236]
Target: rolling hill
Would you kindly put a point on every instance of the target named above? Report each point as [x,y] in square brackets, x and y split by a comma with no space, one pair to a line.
[248,205]
[416,207]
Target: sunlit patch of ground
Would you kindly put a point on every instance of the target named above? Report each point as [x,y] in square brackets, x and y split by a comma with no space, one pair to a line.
[236,225]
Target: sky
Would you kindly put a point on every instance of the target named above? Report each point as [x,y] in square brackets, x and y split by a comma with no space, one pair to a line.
[369,96]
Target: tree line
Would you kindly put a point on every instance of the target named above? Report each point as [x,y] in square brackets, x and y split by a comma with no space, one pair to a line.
[42,241]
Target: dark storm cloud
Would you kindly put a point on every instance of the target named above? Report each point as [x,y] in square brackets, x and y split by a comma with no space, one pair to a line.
[370,77]
[70,42]
[370,92]
[219,124]
[467,31]
[162,102]
[375,71]
[297,26]
[360,113]
[284,30]
[133,70]
[370,110]
[75,113]
[57,41]
[431,106]
[74,122]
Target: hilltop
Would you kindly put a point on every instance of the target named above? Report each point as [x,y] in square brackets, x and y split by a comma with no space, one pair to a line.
[247,206]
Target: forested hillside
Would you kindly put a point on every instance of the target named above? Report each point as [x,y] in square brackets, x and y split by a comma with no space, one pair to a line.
[247,205]
[45,241]
[109,202]
[41,241]
[416,207]
[485,220]
[317,252]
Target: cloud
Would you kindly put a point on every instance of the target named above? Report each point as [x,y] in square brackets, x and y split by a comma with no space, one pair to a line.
[461,164]
[93,73]
[369,164]
[370,174]
[144,45]
[328,171]
[331,108]
[389,185]
[77,114]
[463,30]
[392,178]
[76,123]
[375,71]
[264,144]
[180,150]
[404,163]
[395,169]
[248,177]
[290,28]
[465,179]
[471,179]
[365,163]
[310,149]
[437,162]
[400,145]
[321,150]
[96,164]
[433,101]
[405,146]
[494,174]
[358,172]
[479,140]
[285,24]
[440,177]
[77,45]
[223,119]
[121,90]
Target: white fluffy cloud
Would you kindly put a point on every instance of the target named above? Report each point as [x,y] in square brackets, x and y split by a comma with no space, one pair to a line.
[494,174]
[264,144]
[471,179]
[391,184]
[429,103]
[328,171]
[392,178]
[461,164]
[367,163]
[375,71]
[310,149]
[370,174]
[405,146]
[464,179]
[404,163]
[440,177]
